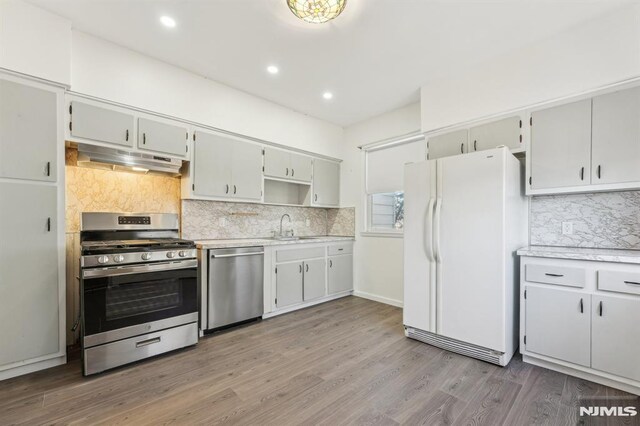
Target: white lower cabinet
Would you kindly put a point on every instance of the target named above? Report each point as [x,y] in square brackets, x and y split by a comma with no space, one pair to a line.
[586,326]
[314,279]
[340,276]
[558,324]
[288,284]
[615,327]
[307,273]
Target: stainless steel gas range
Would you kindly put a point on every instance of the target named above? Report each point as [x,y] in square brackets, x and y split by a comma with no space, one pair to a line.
[139,291]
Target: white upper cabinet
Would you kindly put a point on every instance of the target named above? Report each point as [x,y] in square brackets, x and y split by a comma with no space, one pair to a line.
[616,336]
[326,183]
[226,167]
[162,137]
[28,131]
[101,124]
[448,144]
[246,170]
[616,137]
[505,132]
[561,146]
[287,165]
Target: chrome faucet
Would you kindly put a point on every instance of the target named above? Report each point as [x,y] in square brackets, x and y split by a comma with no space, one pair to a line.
[281,219]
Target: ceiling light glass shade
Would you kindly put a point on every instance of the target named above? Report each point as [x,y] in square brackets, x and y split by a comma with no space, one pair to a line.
[316,11]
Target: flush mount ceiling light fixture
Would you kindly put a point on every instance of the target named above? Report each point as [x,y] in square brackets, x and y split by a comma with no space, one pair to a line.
[316,11]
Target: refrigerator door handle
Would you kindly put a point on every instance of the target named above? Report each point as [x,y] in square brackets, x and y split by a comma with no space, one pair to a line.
[428,237]
[436,230]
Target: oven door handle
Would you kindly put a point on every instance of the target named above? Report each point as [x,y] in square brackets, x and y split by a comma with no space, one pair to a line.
[138,269]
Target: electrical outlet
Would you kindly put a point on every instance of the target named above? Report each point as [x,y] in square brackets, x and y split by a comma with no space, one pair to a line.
[307,223]
[567,228]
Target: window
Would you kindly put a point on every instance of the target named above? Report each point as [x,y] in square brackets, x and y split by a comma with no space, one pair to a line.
[384,168]
[387,211]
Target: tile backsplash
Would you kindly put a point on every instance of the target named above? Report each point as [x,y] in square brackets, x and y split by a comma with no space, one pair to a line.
[202,220]
[600,220]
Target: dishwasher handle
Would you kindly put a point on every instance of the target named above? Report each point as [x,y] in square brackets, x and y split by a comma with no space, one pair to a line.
[221,256]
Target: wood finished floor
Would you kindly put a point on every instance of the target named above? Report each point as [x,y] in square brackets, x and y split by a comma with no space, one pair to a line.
[342,362]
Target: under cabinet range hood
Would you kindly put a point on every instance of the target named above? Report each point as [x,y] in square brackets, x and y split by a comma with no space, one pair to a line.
[114,159]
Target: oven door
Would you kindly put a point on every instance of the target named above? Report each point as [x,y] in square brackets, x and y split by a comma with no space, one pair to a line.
[121,302]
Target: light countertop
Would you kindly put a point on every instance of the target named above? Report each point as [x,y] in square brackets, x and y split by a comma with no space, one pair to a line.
[576,253]
[250,242]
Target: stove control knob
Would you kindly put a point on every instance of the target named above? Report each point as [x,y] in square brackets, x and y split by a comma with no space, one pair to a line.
[103,259]
[171,254]
[118,258]
[146,256]
[182,253]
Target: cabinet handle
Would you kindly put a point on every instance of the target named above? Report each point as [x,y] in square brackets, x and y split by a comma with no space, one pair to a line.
[307,267]
[330,263]
[148,342]
[581,306]
[287,171]
[462,148]
[554,275]
[600,308]
[226,191]
[475,145]
[582,173]
[598,171]
[300,266]
[235,190]
[47,169]
[144,138]
[632,282]
[126,136]
[316,197]
[48,224]
[292,172]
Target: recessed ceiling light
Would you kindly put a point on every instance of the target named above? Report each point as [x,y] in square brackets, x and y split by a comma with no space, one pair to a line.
[272,69]
[168,21]
[327,95]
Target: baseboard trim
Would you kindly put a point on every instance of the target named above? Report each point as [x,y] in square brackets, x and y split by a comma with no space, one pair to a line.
[30,368]
[306,304]
[377,298]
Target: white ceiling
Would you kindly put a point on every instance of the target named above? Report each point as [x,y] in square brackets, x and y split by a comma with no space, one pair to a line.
[374,57]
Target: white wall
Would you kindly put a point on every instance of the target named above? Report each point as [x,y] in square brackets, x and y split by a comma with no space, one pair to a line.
[596,53]
[378,260]
[35,42]
[105,70]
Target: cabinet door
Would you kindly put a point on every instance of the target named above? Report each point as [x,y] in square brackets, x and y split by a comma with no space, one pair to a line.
[615,344]
[505,132]
[446,145]
[561,146]
[101,124]
[314,279]
[246,170]
[558,324]
[326,183]
[29,312]
[28,132]
[340,276]
[277,163]
[162,137]
[288,284]
[616,137]
[212,165]
[301,167]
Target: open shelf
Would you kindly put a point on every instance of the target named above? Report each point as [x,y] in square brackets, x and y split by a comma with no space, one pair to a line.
[286,193]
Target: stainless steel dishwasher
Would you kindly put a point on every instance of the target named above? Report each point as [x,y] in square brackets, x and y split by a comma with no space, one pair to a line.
[235,286]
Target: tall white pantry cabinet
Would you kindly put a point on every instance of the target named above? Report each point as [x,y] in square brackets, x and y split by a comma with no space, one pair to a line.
[32,273]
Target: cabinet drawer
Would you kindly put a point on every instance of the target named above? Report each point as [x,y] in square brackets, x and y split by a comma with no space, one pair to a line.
[346,248]
[301,254]
[559,275]
[619,281]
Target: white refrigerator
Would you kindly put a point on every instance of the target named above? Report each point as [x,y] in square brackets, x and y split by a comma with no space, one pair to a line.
[465,217]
